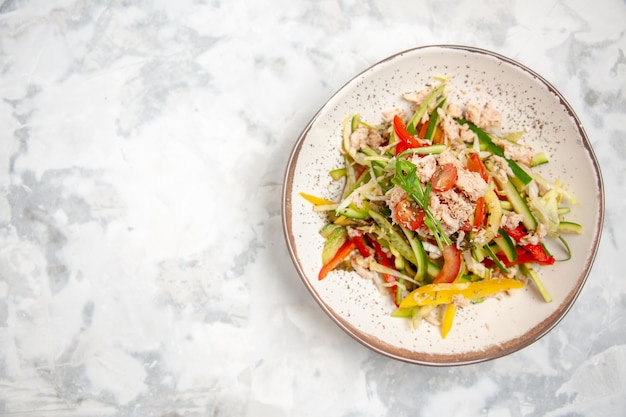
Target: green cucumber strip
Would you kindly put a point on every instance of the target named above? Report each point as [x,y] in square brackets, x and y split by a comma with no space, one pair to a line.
[354,212]
[432,269]
[411,127]
[434,119]
[530,272]
[484,137]
[539,159]
[337,173]
[403,313]
[569,227]
[495,259]
[327,229]
[335,240]
[420,254]
[518,203]
[354,123]
[425,150]
[506,245]
[393,236]
[567,248]
[506,205]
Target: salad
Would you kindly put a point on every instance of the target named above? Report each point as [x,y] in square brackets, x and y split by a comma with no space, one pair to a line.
[440,208]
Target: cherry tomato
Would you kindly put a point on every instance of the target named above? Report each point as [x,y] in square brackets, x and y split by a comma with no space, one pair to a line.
[474,164]
[409,215]
[444,177]
[451,265]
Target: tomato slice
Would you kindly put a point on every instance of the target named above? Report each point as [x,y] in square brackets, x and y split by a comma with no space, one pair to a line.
[409,215]
[480,213]
[445,177]
[474,164]
[451,265]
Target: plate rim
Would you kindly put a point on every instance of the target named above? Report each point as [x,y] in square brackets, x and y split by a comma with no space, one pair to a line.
[432,359]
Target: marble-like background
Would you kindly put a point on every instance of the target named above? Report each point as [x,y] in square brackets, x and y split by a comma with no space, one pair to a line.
[143,269]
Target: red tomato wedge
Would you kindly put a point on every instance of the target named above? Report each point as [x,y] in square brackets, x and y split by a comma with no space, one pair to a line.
[474,164]
[409,215]
[451,265]
[444,177]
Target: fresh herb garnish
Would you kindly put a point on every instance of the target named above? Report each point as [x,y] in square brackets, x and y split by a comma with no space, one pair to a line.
[406,178]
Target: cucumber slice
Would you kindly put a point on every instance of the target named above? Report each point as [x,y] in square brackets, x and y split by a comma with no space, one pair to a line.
[393,237]
[570,227]
[327,229]
[518,203]
[506,245]
[335,240]
[539,159]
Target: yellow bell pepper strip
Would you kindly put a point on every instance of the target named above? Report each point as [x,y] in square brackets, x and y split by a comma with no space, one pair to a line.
[448,318]
[434,294]
[494,211]
[317,201]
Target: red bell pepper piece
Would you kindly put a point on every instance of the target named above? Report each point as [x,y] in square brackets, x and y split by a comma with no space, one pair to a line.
[339,257]
[480,214]
[405,139]
[539,254]
[525,256]
[518,233]
[474,164]
[361,246]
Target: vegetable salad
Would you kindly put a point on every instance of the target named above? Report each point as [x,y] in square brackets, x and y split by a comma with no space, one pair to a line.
[440,208]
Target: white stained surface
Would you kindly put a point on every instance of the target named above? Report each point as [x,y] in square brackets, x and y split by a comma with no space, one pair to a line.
[143,268]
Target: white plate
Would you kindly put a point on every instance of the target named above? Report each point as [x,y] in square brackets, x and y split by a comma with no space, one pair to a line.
[527,101]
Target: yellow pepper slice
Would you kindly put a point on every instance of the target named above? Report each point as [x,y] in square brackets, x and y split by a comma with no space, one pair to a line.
[495,214]
[448,318]
[318,201]
[435,294]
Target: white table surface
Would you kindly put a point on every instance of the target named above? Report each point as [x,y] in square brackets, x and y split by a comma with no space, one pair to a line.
[143,268]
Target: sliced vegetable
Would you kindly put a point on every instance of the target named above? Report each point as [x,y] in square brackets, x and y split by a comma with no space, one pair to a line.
[409,215]
[451,265]
[506,245]
[518,203]
[339,257]
[433,120]
[480,213]
[530,272]
[444,177]
[435,294]
[570,227]
[335,240]
[475,164]
[484,137]
[448,318]
[405,139]
[417,116]
[318,201]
